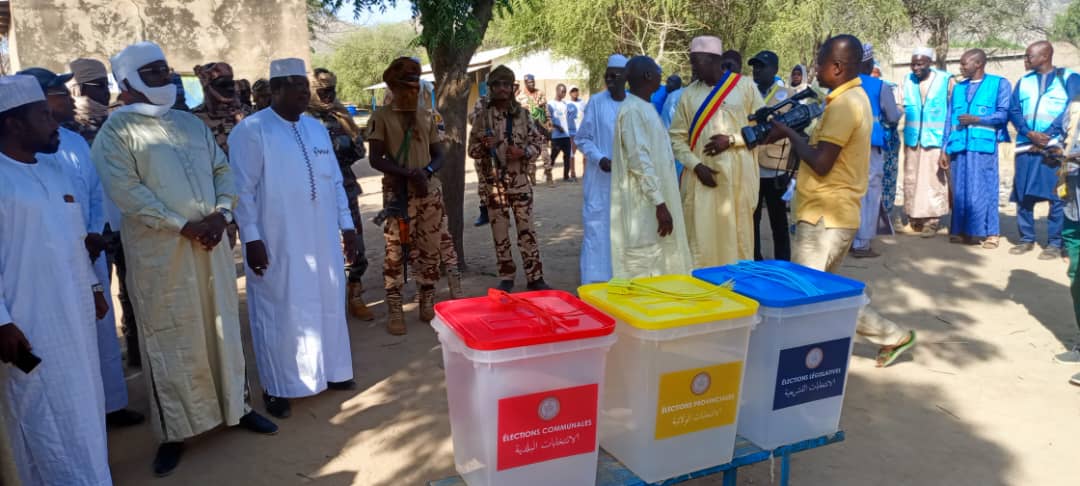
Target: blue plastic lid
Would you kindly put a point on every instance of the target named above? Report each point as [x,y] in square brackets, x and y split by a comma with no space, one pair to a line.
[808,286]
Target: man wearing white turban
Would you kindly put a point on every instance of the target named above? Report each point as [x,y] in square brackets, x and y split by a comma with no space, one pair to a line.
[172,183]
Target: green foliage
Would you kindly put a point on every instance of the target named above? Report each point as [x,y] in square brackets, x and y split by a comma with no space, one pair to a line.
[969,19]
[446,22]
[662,29]
[1067,24]
[360,58]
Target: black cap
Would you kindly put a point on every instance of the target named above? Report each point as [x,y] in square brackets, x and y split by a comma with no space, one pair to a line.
[768,58]
[47,79]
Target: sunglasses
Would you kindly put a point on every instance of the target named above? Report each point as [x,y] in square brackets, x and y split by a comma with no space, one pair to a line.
[160,71]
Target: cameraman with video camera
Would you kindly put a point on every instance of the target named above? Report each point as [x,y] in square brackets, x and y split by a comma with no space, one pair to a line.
[833,178]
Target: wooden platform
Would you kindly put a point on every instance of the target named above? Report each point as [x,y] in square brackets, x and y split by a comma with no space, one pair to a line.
[611,472]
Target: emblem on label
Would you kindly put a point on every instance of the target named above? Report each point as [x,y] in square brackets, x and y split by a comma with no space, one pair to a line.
[814,358]
[701,383]
[549,408]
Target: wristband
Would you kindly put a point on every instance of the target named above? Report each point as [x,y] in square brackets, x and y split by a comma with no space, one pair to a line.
[429,171]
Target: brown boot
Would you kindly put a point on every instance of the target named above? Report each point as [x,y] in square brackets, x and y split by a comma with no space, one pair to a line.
[427,303]
[357,307]
[453,280]
[395,316]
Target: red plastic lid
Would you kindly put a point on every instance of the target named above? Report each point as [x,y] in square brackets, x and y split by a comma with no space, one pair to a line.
[502,320]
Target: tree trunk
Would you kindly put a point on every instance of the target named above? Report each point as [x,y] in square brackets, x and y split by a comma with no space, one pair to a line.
[450,61]
[939,39]
[452,93]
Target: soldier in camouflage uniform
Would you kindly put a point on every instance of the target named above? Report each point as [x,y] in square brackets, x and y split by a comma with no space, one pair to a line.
[505,141]
[447,252]
[535,102]
[221,109]
[260,94]
[406,148]
[349,147]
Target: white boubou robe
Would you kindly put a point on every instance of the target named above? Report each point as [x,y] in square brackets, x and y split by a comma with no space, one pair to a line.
[54,416]
[74,157]
[643,177]
[594,138]
[291,197]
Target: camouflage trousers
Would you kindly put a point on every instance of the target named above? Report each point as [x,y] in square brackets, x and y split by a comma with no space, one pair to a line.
[447,253]
[423,239]
[521,206]
[481,188]
[545,160]
[354,272]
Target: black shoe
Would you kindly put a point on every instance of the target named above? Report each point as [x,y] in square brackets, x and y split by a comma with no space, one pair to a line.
[538,284]
[483,218]
[276,406]
[258,424]
[167,458]
[1052,253]
[341,385]
[506,285]
[1022,248]
[124,418]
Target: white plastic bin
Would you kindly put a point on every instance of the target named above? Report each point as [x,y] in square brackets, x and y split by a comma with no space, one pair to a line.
[796,368]
[523,377]
[674,377]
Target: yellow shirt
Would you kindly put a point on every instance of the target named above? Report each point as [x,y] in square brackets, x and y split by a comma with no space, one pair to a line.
[836,196]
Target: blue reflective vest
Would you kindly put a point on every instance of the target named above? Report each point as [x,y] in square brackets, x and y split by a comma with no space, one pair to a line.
[924,124]
[872,87]
[974,138]
[1041,109]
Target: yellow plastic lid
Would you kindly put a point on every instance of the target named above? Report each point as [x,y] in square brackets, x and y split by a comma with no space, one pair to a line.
[665,302]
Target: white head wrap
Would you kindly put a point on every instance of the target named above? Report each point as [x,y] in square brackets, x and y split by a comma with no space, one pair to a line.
[924,51]
[617,61]
[707,44]
[867,51]
[19,90]
[125,66]
[291,66]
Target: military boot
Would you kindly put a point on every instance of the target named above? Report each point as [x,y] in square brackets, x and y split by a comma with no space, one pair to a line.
[453,280]
[395,316]
[427,303]
[357,307]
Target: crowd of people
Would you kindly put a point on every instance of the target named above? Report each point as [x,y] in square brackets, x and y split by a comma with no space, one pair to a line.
[671,183]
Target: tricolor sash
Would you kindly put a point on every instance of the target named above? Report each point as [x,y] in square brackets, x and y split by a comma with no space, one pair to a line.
[711,104]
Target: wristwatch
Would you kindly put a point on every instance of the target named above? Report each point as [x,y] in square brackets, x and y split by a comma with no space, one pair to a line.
[228,215]
[98,288]
[430,171]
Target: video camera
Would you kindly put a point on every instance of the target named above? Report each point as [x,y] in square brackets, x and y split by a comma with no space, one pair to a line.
[798,117]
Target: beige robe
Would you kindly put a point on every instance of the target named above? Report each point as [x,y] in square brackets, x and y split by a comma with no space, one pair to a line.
[162,173]
[720,220]
[643,177]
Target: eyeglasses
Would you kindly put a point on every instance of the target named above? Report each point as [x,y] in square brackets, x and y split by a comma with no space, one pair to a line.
[160,70]
[95,85]
[223,84]
[499,84]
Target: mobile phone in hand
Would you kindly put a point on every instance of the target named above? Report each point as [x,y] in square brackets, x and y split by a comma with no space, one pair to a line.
[26,361]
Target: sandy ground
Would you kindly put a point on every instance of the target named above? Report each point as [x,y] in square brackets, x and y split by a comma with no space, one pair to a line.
[978,402]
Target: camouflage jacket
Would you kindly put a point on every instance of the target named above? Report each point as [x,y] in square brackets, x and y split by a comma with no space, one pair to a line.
[347,149]
[496,171]
[221,127]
